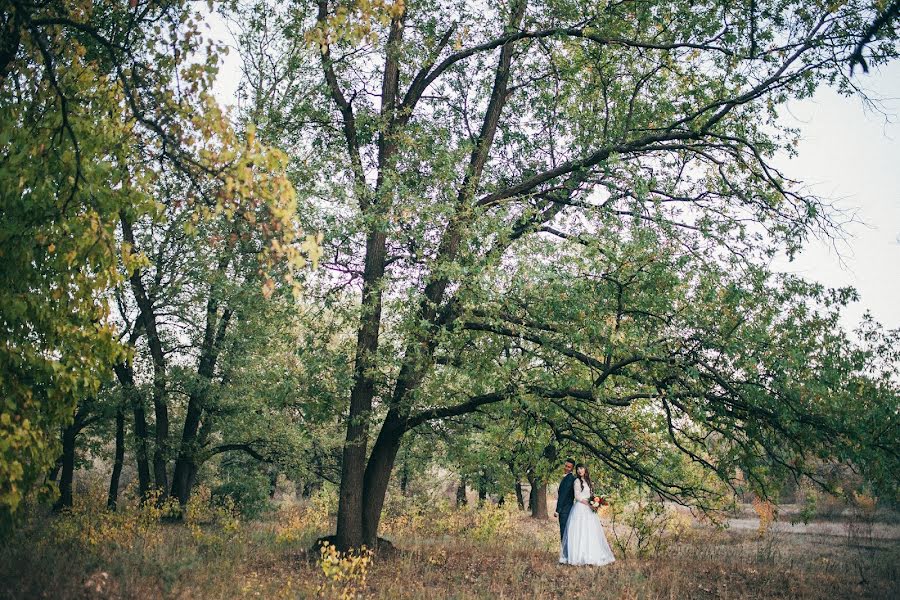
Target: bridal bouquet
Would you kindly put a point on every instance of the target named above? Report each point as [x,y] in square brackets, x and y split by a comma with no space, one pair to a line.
[596,502]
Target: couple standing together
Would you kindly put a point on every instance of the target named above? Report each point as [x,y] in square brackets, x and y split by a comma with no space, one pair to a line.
[583,541]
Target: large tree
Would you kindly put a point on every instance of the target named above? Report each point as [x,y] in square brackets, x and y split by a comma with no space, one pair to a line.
[568,203]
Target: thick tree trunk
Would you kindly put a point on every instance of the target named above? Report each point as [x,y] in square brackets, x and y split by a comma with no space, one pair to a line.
[418,356]
[378,474]
[68,467]
[353,465]
[350,520]
[185,463]
[482,490]
[193,466]
[69,434]
[206,430]
[142,454]
[461,499]
[161,428]
[520,500]
[538,499]
[273,482]
[351,531]
[112,498]
[191,479]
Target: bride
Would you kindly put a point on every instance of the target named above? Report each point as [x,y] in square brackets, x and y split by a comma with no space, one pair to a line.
[584,542]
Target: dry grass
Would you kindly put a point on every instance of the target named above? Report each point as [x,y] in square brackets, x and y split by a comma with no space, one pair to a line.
[91,554]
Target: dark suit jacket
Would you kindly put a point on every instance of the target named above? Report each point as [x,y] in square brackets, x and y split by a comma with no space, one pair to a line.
[566,496]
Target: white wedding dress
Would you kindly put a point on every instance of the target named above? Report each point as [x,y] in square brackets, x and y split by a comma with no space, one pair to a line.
[584,540]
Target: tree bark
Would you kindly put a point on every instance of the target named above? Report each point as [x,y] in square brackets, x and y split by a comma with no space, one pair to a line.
[378,474]
[358,521]
[161,428]
[353,466]
[69,433]
[206,427]
[520,500]
[184,463]
[418,356]
[125,374]
[213,336]
[538,498]
[461,499]
[160,407]
[112,498]
[351,526]
[68,469]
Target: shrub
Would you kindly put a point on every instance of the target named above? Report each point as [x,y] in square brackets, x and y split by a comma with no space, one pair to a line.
[861,519]
[344,573]
[767,513]
[221,518]
[809,502]
[90,524]
[423,516]
[295,523]
[491,521]
[650,526]
[247,487]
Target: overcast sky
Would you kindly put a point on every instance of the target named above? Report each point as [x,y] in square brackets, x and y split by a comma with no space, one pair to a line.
[852,156]
[849,155]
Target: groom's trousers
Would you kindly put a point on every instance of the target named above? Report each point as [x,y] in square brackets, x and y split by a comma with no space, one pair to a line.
[563,519]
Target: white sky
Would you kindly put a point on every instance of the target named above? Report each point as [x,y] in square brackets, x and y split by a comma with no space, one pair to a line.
[849,155]
[852,156]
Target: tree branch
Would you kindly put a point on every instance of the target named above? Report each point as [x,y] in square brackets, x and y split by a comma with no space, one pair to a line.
[422,82]
[463,408]
[242,447]
[890,13]
[346,109]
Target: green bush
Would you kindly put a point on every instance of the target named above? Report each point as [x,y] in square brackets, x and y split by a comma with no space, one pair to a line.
[246,485]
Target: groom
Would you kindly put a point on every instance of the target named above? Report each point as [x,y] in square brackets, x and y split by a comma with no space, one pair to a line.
[565,499]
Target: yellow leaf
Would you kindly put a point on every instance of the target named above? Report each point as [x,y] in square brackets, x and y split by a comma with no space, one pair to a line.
[267,288]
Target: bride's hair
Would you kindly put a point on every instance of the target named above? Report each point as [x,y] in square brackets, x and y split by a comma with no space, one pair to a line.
[586,478]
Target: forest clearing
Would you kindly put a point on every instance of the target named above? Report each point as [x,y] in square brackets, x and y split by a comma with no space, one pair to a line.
[443,552]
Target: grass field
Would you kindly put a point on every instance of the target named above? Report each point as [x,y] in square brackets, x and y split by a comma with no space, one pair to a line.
[446,553]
